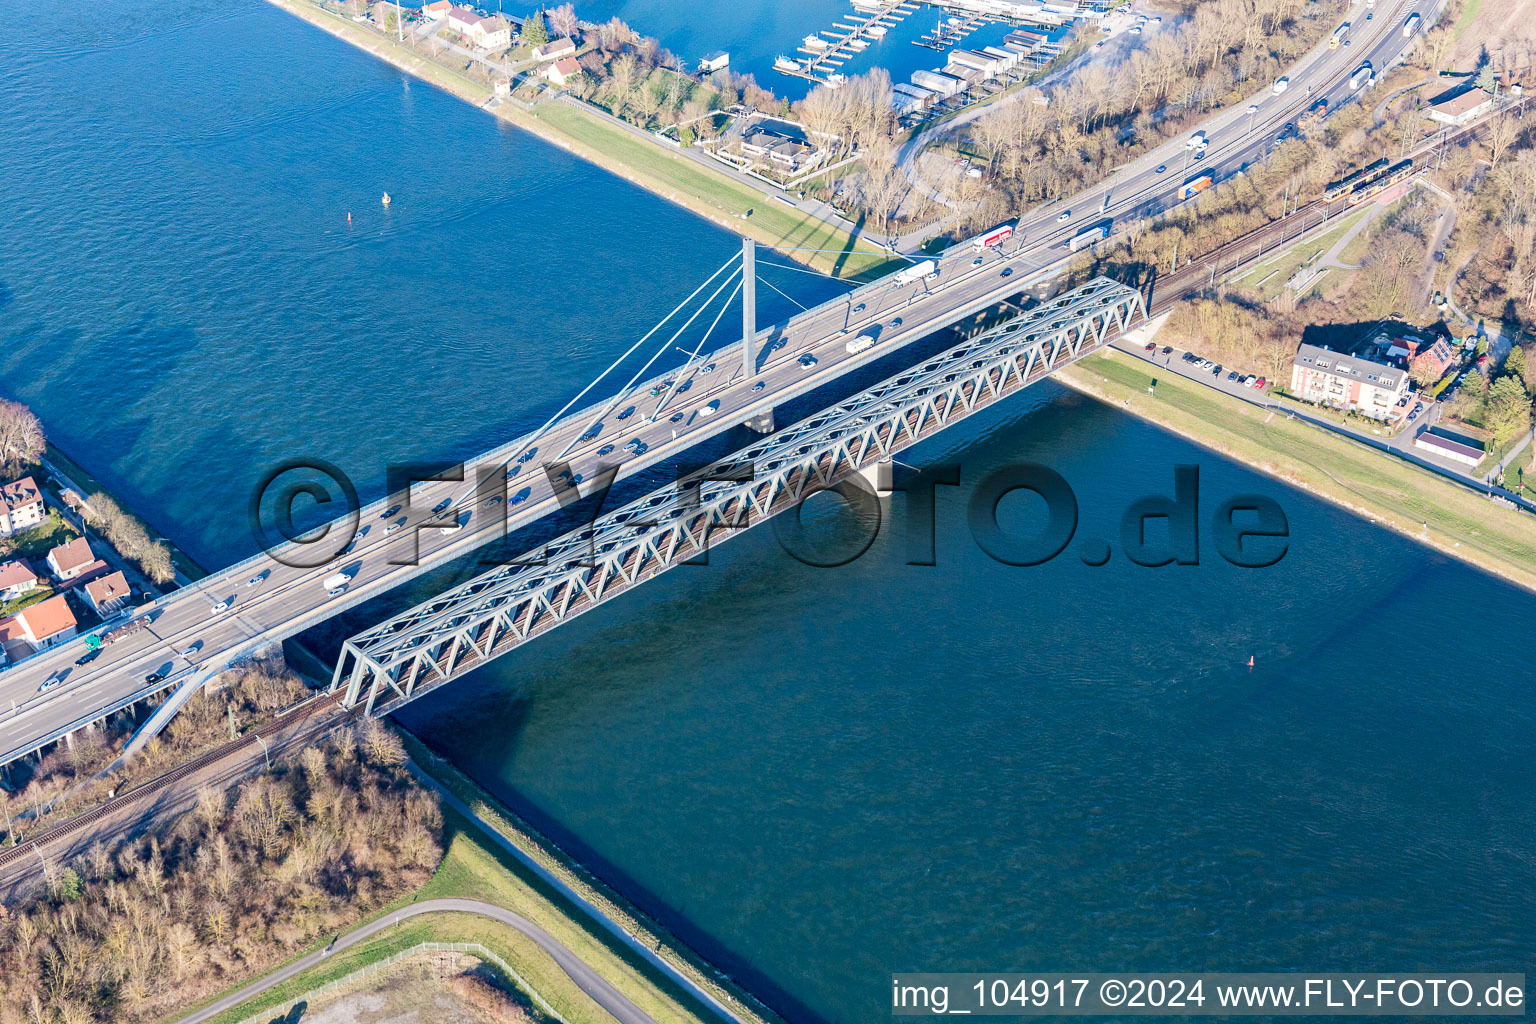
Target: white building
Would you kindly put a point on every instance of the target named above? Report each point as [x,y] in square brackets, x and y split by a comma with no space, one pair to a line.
[938,83]
[21,506]
[1349,382]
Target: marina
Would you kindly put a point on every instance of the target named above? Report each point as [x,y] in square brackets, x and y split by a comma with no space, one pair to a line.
[950,31]
[827,51]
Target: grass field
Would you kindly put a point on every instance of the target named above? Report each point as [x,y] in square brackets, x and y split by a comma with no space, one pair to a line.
[473,868]
[1413,501]
[1291,259]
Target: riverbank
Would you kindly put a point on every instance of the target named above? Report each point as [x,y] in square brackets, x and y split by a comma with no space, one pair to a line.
[1411,501]
[722,200]
[477,866]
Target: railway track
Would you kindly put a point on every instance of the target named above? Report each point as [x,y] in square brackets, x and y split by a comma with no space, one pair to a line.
[1234,255]
[324,710]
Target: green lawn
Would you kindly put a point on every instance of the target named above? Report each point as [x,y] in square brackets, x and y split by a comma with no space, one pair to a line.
[1291,259]
[680,179]
[1468,16]
[41,593]
[1400,495]
[42,538]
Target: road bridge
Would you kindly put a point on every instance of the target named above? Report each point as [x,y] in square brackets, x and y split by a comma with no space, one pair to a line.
[275,595]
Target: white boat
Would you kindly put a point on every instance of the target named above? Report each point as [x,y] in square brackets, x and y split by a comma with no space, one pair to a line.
[877,30]
[836,79]
[814,43]
[857,44]
[786,64]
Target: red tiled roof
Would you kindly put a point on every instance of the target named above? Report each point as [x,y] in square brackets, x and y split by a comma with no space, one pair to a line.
[72,555]
[108,588]
[46,618]
[12,573]
[20,494]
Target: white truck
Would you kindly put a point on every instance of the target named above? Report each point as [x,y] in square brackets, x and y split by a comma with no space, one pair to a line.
[864,340]
[336,582]
[926,270]
[1196,141]
[1362,76]
[1281,84]
[1411,25]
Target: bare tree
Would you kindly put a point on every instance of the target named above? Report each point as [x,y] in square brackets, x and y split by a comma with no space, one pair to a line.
[21,437]
[562,20]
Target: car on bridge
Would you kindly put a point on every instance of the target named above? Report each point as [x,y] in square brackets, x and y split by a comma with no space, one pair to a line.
[606,449]
[759,385]
[859,308]
[627,413]
[259,578]
[677,417]
[659,388]
[528,455]
[88,656]
[491,502]
[520,497]
[895,323]
[592,433]
[392,527]
[442,506]
[707,369]
[389,512]
[1066,215]
[1007,272]
[155,677]
[711,408]
[807,360]
[53,680]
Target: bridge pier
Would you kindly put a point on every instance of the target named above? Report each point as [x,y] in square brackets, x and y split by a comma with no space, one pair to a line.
[878,476]
[762,422]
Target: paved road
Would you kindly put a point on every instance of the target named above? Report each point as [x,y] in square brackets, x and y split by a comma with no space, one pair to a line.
[263,600]
[588,980]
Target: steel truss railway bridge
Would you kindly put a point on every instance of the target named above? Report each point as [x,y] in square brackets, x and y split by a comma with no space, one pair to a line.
[417,651]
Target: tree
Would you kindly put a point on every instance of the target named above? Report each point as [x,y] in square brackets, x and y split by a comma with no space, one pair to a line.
[21,438]
[562,20]
[1508,411]
[535,32]
[1514,365]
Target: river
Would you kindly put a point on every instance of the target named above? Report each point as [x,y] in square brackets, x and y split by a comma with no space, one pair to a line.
[816,776]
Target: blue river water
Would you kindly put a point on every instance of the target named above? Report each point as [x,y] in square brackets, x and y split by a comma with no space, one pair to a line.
[815,776]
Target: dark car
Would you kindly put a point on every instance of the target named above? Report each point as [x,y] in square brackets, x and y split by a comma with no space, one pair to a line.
[491,502]
[88,657]
[154,677]
[685,386]
[592,433]
[528,455]
[1007,272]
[677,417]
[627,413]
[759,385]
[606,449]
[441,506]
[518,498]
[1167,350]
[389,512]
[1216,370]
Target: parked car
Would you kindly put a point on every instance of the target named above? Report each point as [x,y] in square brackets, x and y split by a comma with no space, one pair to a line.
[1232,375]
[1151,346]
[1260,383]
[1248,380]
[1216,370]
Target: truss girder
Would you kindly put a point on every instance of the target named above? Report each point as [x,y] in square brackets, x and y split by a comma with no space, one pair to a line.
[485,617]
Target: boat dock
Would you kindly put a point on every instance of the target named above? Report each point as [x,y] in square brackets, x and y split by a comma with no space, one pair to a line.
[827,51]
[950,32]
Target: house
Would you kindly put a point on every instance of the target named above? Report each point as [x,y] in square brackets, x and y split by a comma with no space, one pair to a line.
[68,561]
[501,85]
[21,506]
[1349,382]
[938,83]
[437,10]
[108,595]
[1461,108]
[16,579]
[563,70]
[493,33]
[987,65]
[782,143]
[37,628]
[905,98]
[1430,359]
[1007,59]
[714,60]
[462,20]
[1457,448]
[555,49]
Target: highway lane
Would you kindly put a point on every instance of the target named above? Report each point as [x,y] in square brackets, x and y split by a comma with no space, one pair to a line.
[288,599]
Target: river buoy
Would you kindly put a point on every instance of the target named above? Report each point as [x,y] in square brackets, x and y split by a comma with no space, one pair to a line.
[349,216]
[1250,661]
[385,200]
